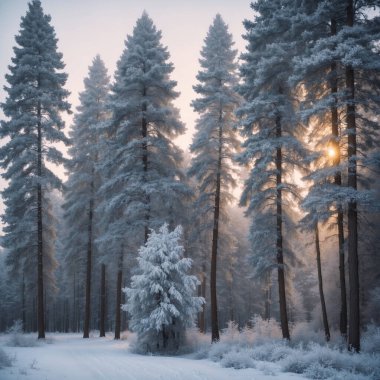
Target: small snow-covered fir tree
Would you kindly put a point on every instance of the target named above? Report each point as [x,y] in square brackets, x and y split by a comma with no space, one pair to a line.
[36,97]
[161,298]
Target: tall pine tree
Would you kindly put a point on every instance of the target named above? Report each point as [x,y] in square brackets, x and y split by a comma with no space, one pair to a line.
[215,141]
[84,181]
[272,146]
[36,98]
[339,69]
[142,187]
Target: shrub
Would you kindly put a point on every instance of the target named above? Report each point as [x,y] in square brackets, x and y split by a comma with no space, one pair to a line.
[17,338]
[5,361]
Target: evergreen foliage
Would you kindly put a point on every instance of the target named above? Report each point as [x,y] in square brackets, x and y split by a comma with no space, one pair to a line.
[161,298]
[36,97]
[215,143]
[142,170]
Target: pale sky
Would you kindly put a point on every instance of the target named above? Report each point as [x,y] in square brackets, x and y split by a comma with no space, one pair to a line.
[89,27]
[85,28]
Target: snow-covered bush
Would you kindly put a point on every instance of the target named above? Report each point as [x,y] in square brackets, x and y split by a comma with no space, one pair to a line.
[307,353]
[161,298]
[5,361]
[16,337]
[371,339]
[265,330]
[320,362]
[238,359]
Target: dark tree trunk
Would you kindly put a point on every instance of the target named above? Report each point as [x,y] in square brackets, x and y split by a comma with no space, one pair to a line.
[144,133]
[320,286]
[202,314]
[268,297]
[279,245]
[74,320]
[23,304]
[40,272]
[214,249]
[102,301]
[353,261]
[338,182]
[118,296]
[87,312]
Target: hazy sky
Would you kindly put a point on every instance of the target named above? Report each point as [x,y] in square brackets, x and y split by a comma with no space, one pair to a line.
[88,27]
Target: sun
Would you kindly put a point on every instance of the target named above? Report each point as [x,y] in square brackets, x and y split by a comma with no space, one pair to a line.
[331,152]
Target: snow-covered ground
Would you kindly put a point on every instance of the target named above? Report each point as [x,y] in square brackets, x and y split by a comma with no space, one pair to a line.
[69,357]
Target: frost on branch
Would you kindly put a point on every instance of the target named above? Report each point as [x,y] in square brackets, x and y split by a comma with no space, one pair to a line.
[160,299]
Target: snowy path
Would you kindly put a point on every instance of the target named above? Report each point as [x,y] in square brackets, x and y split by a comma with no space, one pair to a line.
[70,357]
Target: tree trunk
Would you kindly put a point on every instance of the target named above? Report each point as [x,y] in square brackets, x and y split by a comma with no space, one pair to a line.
[87,313]
[268,297]
[214,249]
[338,182]
[118,296]
[102,301]
[202,293]
[320,285]
[40,275]
[23,311]
[353,262]
[279,245]
[144,133]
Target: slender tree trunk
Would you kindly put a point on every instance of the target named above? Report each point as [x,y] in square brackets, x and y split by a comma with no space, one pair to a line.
[87,313]
[338,182]
[268,297]
[214,249]
[23,304]
[118,296]
[40,272]
[352,218]
[144,133]
[202,293]
[74,320]
[320,286]
[279,245]
[102,301]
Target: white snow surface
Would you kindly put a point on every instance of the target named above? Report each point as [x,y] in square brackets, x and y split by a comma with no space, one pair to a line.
[70,357]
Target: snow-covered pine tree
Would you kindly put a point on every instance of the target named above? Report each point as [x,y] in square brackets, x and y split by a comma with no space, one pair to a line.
[215,141]
[161,299]
[36,98]
[318,77]
[141,172]
[339,70]
[84,182]
[144,160]
[272,146]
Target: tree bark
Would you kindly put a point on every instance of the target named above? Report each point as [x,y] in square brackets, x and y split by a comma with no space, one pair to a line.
[87,315]
[201,314]
[338,182]
[118,296]
[320,285]
[214,249]
[23,311]
[144,133]
[40,275]
[353,261]
[268,297]
[279,244]
[102,301]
